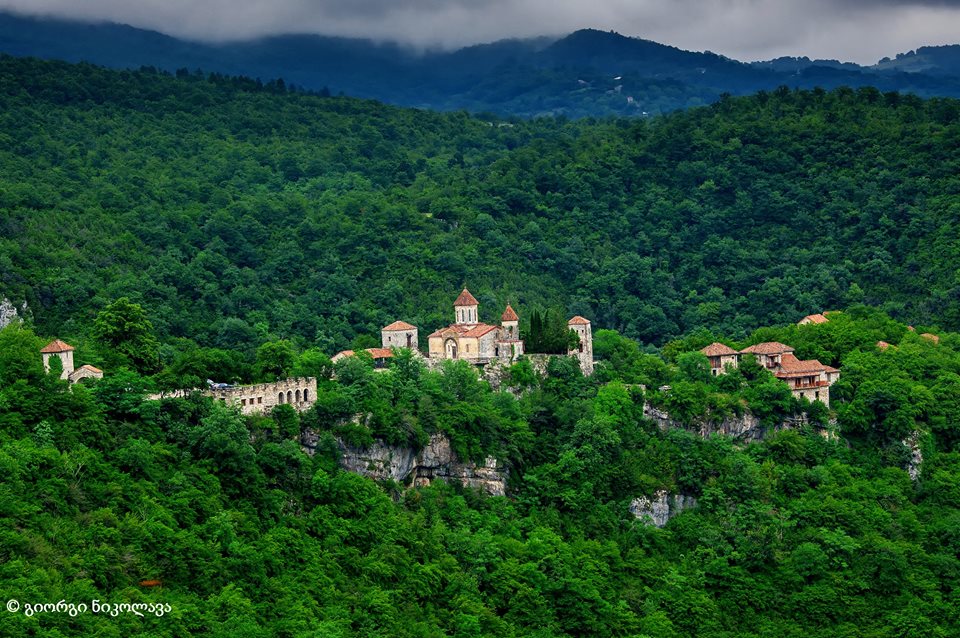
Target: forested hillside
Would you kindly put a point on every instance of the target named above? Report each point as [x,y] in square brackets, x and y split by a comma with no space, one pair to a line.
[235,212]
[816,532]
[175,229]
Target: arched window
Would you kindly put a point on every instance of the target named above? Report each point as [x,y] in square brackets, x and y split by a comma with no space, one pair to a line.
[289,396]
[280,398]
[298,396]
[306,395]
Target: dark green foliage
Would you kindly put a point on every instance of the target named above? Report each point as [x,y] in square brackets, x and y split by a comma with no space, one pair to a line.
[259,232]
[754,211]
[549,333]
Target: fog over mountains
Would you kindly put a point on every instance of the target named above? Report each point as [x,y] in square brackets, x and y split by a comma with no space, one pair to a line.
[586,73]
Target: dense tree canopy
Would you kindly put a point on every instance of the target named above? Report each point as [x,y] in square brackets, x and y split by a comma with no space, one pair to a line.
[236,215]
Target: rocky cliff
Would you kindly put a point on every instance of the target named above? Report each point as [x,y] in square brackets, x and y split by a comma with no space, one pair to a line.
[406,465]
[746,427]
[661,507]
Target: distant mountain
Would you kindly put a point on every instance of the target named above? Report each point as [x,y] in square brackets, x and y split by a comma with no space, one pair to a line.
[794,65]
[940,60]
[588,72]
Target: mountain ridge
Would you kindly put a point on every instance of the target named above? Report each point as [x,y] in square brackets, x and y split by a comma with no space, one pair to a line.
[589,72]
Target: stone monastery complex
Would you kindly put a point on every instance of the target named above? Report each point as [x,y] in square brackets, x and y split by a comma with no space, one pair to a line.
[469,339]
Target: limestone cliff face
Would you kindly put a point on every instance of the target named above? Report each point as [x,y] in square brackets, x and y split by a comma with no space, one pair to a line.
[745,428]
[404,465]
[661,507]
[8,313]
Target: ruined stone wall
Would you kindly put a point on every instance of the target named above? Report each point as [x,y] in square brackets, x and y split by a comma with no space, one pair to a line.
[300,392]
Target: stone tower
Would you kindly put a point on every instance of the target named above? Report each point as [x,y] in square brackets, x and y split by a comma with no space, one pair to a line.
[466,307]
[61,349]
[510,323]
[399,334]
[584,351]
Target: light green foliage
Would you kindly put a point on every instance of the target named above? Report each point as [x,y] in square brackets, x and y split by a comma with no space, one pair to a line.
[124,336]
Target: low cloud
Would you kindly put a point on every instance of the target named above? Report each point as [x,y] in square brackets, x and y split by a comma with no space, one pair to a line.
[857,30]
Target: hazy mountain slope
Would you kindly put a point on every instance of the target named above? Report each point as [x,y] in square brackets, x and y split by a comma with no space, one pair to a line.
[574,75]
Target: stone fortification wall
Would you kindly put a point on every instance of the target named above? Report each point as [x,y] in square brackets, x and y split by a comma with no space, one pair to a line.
[300,392]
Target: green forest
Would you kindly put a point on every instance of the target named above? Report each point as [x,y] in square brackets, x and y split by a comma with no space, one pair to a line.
[236,213]
[816,531]
[175,228]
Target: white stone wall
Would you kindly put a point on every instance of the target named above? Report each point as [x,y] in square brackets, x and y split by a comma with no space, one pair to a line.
[399,339]
[584,352]
[65,357]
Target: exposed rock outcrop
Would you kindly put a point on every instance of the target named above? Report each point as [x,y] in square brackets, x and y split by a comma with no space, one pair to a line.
[8,313]
[405,465]
[915,464]
[746,427]
[661,507]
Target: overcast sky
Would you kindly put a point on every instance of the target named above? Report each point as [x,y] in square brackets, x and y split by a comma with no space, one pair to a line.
[856,30]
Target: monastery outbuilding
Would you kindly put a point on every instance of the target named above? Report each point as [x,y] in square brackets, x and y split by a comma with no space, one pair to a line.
[810,379]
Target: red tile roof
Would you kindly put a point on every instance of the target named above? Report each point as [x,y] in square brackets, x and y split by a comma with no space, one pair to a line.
[817,318]
[91,368]
[767,347]
[399,325]
[509,315]
[717,349]
[883,345]
[479,330]
[791,365]
[376,353]
[56,346]
[578,321]
[466,299]
[458,328]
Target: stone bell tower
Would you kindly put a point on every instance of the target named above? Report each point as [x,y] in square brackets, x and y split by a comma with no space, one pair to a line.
[466,307]
[584,350]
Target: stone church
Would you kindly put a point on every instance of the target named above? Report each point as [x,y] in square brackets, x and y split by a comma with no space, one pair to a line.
[470,339]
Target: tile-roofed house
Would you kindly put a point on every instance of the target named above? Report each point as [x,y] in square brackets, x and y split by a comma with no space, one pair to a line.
[814,319]
[810,379]
[768,354]
[399,326]
[399,334]
[882,345]
[720,357]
